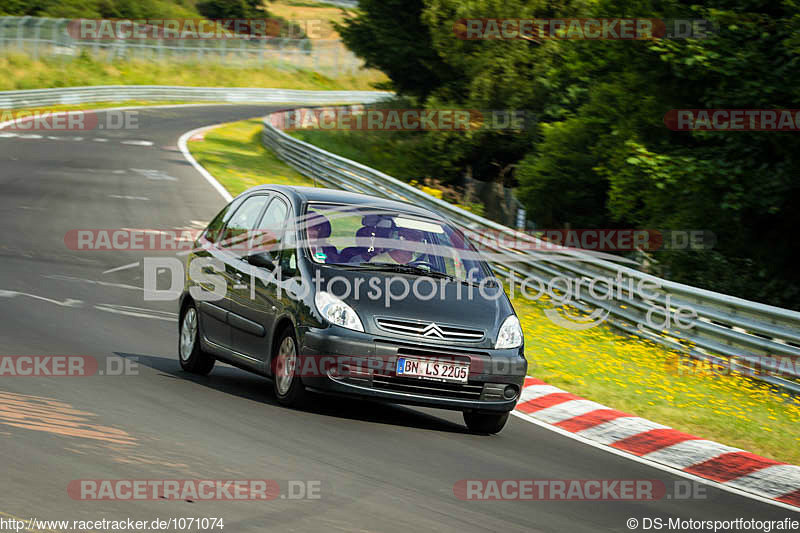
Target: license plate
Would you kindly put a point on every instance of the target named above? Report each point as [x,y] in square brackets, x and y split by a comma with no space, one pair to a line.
[433,369]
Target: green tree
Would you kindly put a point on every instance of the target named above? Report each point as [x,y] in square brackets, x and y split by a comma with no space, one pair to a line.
[390,35]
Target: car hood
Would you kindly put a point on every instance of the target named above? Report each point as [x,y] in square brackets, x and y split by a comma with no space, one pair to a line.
[461,306]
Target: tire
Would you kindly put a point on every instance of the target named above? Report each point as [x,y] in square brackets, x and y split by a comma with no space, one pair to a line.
[193,359]
[485,423]
[286,384]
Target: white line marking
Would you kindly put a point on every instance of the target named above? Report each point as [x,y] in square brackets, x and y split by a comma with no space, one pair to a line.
[100,140]
[123,267]
[663,468]
[137,143]
[59,277]
[198,167]
[69,302]
[154,175]
[137,312]
[125,197]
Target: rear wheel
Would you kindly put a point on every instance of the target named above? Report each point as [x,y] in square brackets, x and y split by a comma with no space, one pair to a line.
[193,358]
[485,422]
[288,386]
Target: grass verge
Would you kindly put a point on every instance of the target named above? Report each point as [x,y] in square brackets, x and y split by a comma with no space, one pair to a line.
[233,154]
[646,379]
[19,71]
[628,374]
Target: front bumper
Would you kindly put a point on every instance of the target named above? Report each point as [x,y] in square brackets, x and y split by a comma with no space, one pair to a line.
[491,371]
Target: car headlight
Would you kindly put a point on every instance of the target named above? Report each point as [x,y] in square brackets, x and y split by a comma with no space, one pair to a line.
[337,312]
[510,335]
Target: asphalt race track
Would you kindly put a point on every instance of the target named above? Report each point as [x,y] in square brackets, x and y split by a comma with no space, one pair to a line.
[380,468]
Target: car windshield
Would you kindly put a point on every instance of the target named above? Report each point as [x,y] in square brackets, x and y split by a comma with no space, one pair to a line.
[380,239]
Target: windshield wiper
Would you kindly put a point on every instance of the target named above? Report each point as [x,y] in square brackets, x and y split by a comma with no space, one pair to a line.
[403,269]
[410,269]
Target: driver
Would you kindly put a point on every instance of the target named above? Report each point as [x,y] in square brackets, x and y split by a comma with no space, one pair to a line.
[318,230]
[409,250]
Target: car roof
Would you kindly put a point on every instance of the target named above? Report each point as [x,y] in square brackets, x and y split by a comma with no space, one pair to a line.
[336,196]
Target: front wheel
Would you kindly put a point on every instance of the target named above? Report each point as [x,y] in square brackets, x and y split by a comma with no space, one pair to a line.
[485,423]
[287,385]
[193,358]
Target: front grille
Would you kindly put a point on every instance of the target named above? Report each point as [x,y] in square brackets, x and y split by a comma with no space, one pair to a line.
[430,330]
[427,350]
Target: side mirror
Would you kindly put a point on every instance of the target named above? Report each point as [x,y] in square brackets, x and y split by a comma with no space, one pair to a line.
[262,260]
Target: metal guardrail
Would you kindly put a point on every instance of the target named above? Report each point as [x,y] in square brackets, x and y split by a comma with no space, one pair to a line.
[730,332]
[158,93]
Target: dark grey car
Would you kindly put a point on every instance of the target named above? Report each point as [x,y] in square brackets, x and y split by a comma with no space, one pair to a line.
[343,293]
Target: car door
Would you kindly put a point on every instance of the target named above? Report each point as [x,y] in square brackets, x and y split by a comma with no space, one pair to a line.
[255,303]
[231,246]
[214,314]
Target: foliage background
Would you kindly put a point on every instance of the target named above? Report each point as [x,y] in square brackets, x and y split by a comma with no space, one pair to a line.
[599,154]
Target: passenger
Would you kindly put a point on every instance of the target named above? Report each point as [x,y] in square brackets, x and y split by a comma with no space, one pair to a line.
[410,248]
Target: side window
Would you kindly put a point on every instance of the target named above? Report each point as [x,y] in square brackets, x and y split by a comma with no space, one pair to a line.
[243,221]
[213,232]
[270,230]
